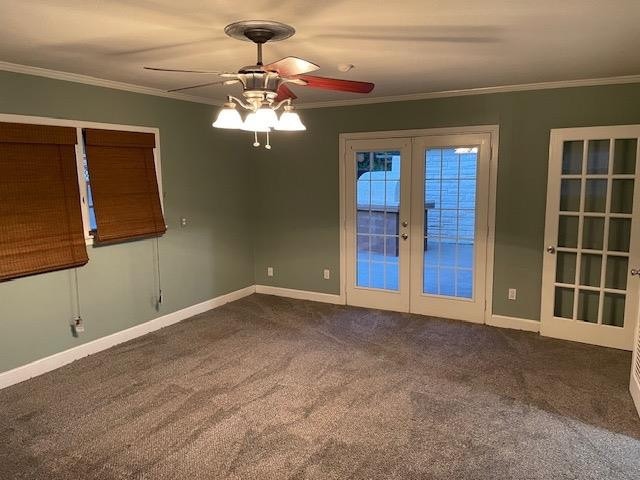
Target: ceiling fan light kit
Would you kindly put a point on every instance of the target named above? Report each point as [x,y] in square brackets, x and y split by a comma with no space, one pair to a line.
[264,87]
[228,117]
[290,121]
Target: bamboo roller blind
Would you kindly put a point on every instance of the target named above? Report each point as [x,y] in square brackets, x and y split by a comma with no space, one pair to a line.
[41,226]
[124,186]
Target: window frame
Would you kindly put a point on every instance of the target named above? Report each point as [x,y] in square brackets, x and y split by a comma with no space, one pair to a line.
[79,125]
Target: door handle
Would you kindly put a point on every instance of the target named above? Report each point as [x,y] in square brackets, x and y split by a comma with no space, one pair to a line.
[635,271]
[404,236]
[551,249]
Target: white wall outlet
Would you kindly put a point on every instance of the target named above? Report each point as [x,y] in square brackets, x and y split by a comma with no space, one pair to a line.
[269,271]
[512,293]
[326,274]
[183,222]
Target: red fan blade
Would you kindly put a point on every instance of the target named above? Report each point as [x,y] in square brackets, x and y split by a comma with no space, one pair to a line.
[337,84]
[289,66]
[285,92]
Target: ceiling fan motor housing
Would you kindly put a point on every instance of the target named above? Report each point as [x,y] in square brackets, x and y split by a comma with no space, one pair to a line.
[259,85]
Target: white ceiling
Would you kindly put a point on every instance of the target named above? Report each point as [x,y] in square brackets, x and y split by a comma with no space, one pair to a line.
[404,47]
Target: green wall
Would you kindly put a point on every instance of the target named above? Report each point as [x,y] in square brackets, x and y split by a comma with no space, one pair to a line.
[251,208]
[297,212]
[206,178]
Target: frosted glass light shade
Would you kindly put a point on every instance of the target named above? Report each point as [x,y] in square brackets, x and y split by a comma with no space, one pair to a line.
[228,118]
[253,123]
[267,116]
[290,122]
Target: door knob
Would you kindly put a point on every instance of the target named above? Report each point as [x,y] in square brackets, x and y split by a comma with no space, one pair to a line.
[405,224]
[404,236]
[551,249]
[635,271]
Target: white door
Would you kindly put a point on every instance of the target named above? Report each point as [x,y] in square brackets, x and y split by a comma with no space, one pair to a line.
[377,199]
[449,225]
[634,385]
[589,291]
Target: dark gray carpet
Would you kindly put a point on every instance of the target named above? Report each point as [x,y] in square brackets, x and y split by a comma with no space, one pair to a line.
[269,388]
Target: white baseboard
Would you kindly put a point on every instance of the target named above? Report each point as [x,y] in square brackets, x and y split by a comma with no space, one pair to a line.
[300,294]
[514,323]
[57,360]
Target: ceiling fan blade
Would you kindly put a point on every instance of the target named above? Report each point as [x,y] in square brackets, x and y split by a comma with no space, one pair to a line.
[290,66]
[409,38]
[285,92]
[219,82]
[158,69]
[337,84]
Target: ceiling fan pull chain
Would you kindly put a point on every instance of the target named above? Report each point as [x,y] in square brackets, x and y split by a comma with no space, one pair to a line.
[267,146]
[256,143]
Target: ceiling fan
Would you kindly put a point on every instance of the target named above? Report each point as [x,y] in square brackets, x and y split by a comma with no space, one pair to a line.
[265,87]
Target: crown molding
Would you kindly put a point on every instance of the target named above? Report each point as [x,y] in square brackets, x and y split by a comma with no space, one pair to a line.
[99,82]
[129,87]
[590,82]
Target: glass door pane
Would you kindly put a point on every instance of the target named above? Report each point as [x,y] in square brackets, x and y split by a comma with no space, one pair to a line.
[377,219]
[594,224]
[449,219]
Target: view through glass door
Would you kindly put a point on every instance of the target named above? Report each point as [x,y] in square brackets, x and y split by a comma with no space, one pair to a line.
[591,259]
[416,224]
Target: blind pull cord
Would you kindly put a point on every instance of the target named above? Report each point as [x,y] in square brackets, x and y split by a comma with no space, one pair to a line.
[158,270]
[78,323]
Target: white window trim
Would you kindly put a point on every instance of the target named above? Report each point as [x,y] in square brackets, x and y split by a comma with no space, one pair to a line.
[80,151]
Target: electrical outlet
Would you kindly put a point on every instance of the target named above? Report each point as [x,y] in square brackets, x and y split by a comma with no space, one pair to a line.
[269,271]
[326,274]
[512,293]
[183,222]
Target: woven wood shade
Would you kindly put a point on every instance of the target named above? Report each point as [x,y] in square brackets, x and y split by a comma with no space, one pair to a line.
[124,185]
[41,226]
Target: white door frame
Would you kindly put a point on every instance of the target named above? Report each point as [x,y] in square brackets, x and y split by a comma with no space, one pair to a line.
[493,130]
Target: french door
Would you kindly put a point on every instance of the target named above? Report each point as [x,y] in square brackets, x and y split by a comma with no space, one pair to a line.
[591,258]
[416,224]
[449,225]
[377,220]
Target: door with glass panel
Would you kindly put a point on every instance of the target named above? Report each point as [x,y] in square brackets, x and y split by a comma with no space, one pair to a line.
[634,381]
[449,225]
[377,178]
[591,258]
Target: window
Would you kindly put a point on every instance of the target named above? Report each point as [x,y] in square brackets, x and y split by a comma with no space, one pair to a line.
[88,198]
[123,193]
[86,184]
[40,215]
